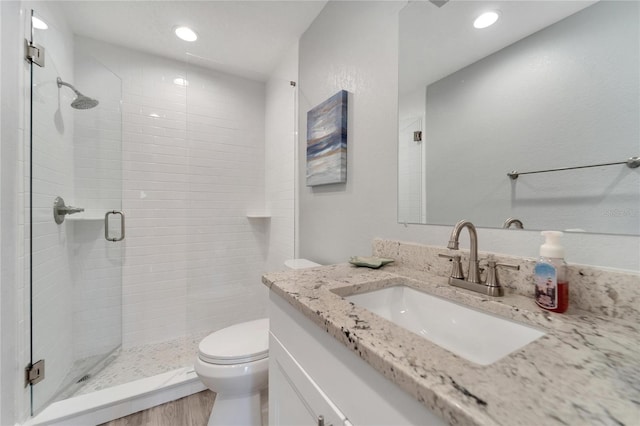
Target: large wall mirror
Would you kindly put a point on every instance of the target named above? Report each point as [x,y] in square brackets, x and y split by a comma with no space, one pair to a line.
[552,84]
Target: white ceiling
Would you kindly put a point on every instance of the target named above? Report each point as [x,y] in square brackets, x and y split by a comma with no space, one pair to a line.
[246,38]
[435,42]
[249,38]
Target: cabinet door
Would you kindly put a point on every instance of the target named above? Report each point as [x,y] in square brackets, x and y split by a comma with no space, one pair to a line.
[294,398]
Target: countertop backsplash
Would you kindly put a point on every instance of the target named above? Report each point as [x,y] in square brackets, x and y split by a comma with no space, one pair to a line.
[600,291]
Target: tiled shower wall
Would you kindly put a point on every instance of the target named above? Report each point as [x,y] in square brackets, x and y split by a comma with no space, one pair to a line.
[97,166]
[193,167]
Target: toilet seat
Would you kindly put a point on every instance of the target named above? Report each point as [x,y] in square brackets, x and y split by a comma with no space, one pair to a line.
[237,344]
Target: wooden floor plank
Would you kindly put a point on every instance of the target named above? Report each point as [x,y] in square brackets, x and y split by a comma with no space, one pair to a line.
[199,408]
[192,410]
[136,419]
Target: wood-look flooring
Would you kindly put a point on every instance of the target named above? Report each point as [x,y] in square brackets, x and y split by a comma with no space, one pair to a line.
[192,410]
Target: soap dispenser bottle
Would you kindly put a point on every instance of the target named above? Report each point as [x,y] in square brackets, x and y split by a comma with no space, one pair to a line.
[550,275]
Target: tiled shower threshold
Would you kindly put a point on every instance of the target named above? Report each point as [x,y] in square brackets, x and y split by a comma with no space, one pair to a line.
[137,379]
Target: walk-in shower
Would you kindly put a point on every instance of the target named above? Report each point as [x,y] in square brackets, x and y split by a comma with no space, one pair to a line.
[81,101]
[180,148]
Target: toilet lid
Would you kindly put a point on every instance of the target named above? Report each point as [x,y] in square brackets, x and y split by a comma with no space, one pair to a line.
[244,342]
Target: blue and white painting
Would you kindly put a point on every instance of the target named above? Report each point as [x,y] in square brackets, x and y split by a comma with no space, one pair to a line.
[327,141]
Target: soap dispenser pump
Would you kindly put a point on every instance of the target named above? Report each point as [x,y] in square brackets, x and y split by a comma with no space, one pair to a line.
[550,275]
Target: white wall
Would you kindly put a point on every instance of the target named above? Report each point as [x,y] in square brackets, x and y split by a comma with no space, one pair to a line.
[354,46]
[280,140]
[14,396]
[11,286]
[191,173]
[351,46]
[1,258]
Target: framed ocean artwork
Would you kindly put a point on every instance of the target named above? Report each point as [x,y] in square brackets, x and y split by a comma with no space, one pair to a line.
[327,141]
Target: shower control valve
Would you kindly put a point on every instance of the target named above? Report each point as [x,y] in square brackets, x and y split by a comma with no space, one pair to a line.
[60,210]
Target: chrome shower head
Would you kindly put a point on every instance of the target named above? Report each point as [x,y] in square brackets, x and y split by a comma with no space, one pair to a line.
[84,102]
[81,101]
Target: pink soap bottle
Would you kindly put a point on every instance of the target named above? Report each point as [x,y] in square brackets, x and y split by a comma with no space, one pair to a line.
[550,275]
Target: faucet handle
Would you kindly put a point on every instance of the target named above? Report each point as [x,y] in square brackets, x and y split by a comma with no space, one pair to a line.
[492,275]
[508,265]
[456,268]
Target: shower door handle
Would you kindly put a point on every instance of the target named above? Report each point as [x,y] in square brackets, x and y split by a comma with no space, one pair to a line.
[106,226]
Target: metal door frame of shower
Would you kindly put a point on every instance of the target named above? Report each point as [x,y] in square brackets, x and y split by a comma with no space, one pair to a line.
[31,360]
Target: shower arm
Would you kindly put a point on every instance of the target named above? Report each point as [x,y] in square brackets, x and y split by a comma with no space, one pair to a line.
[62,83]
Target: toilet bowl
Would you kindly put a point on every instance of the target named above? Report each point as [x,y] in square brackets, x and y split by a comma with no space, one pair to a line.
[233,362]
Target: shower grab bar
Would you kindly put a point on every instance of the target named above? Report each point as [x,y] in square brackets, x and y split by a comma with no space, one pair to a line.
[106,226]
[632,163]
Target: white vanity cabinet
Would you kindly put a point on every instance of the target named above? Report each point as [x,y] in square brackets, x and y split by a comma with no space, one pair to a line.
[311,374]
[297,399]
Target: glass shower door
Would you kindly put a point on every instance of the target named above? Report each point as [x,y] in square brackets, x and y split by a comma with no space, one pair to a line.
[75,181]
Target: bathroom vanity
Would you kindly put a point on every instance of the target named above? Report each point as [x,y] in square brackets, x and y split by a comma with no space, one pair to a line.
[335,359]
[312,375]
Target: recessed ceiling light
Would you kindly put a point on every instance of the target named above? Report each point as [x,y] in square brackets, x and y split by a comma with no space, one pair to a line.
[185,33]
[180,81]
[38,23]
[486,19]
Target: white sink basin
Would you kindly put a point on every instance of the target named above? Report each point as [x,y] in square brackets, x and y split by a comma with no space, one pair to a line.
[476,336]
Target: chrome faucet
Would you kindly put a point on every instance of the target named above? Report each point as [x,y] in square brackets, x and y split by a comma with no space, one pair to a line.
[473,282]
[513,221]
[474,264]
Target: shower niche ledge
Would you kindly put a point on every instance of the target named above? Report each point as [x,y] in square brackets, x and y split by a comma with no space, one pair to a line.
[87,215]
[259,214]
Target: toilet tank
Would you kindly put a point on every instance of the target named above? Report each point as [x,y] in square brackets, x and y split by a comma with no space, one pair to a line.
[300,264]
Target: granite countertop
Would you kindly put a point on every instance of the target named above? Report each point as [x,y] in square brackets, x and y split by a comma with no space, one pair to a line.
[584,370]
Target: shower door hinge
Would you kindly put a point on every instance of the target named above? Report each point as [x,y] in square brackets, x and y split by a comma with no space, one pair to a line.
[35,373]
[34,53]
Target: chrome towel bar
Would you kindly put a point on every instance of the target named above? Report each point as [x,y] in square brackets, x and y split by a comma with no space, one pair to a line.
[632,163]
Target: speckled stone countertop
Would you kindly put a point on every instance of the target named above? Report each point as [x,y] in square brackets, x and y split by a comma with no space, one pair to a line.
[584,370]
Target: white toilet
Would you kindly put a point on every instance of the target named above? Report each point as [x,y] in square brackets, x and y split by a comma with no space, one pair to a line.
[234,363]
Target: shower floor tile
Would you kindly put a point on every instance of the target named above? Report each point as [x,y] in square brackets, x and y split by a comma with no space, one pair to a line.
[144,361]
